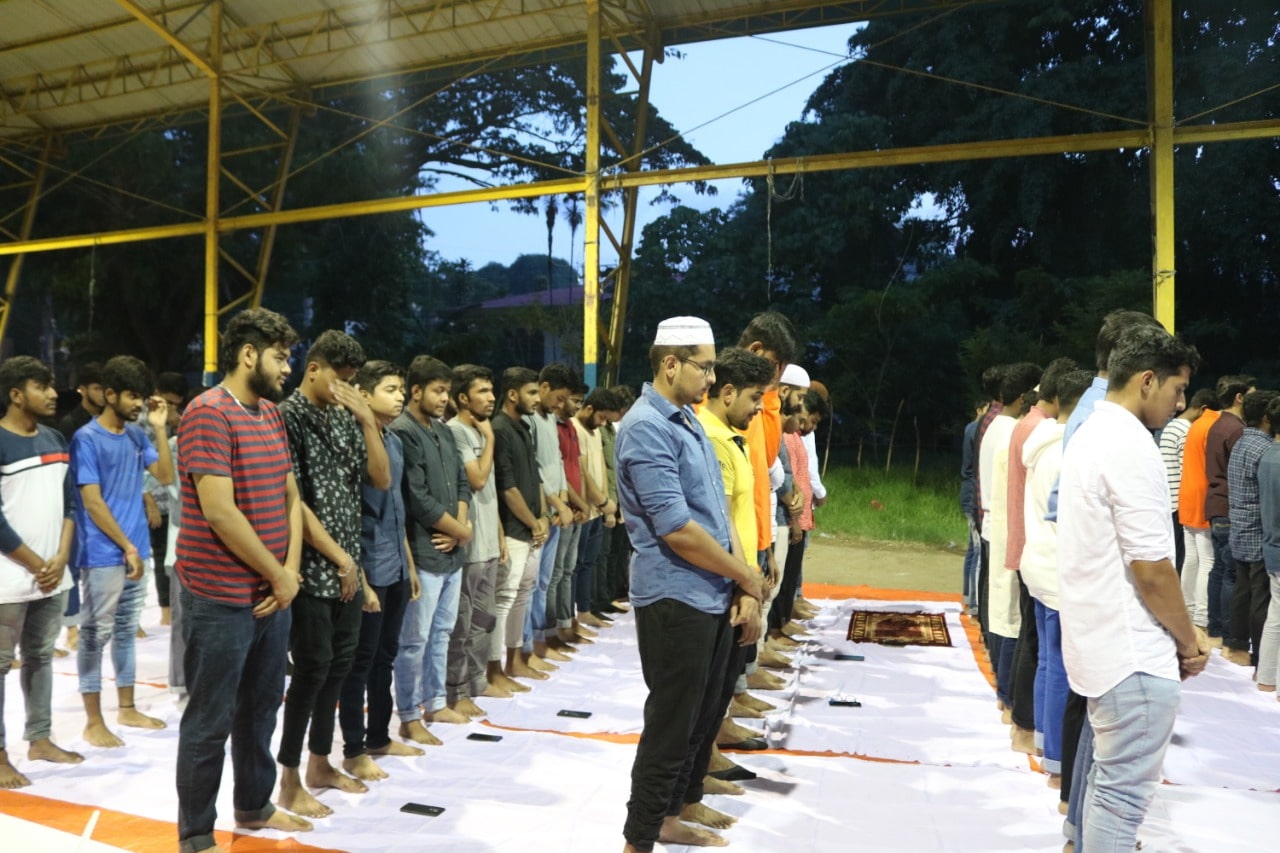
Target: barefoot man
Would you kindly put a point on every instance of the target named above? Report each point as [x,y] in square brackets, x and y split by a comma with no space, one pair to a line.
[690,586]
[239,551]
[36,500]
[337,447]
[109,456]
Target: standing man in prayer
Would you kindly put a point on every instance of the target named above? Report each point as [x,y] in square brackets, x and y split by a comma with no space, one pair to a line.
[690,584]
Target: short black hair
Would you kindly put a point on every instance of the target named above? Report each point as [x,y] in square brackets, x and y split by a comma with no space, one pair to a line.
[261,329]
[337,350]
[815,404]
[170,382]
[625,394]
[1114,325]
[425,370]
[774,332]
[558,376]
[465,375]
[1017,380]
[515,378]
[658,352]
[1255,406]
[1148,347]
[1057,368]
[126,373]
[371,374]
[89,374]
[1230,386]
[742,369]
[1072,385]
[1205,398]
[17,371]
[603,400]
[991,379]
[1273,412]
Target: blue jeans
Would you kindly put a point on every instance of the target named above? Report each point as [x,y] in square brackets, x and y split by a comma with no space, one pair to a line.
[423,661]
[1051,687]
[235,666]
[560,590]
[1002,650]
[584,571]
[1132,724]
[32,626]
[536,619]
[1222,579]
[972,556]
[111,607]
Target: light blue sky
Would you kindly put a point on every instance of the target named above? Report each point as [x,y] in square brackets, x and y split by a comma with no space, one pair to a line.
[712,78]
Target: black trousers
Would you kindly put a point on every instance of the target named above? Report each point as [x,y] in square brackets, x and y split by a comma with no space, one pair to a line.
[322,643]
[1026,659]
[1074,718]
[1179,544]
[619,563]
[984,567]
[780,612]
[684,654]
[370,675]
[1249,604]
[159,554]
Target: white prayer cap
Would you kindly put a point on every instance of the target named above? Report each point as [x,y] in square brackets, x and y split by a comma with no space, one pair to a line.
[684,332]
[795,376]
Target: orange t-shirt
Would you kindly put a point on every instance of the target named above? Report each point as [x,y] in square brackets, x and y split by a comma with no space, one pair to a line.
[764,437]
[1195,483]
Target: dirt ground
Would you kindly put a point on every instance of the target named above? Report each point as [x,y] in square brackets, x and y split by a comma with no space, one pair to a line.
[883,564]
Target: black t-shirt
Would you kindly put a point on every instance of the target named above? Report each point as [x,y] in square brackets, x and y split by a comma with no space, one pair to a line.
[515,466]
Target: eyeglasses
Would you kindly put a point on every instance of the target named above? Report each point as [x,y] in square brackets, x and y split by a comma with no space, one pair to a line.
[707,369]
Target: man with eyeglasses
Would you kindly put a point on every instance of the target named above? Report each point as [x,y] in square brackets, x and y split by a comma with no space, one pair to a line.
[690,582]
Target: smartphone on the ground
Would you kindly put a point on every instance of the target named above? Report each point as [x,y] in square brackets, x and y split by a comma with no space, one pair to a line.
[420,809]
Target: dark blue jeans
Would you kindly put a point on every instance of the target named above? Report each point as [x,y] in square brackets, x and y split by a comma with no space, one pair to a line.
[376,650]
[583,573]
[235,666]
[1222,582]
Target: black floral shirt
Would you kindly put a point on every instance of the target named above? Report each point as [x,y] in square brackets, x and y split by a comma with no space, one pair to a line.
[329,462]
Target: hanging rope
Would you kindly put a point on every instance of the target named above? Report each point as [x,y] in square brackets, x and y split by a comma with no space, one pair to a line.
[93,258]
[796,188]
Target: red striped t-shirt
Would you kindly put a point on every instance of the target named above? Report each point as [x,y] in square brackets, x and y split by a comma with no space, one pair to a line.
[219,438]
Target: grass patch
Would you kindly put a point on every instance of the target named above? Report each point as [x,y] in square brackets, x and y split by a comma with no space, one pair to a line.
[867,503]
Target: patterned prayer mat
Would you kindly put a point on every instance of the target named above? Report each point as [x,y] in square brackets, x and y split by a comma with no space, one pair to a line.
[899,629]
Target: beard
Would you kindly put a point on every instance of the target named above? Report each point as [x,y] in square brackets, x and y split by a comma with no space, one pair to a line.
[263,386]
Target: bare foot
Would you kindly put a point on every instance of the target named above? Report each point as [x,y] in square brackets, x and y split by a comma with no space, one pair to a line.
[73,637]
[141,634]
[134,718]
[468,708]
[15,664]
[731,732]
[97,734]
[781,643]
[500,681]
[395,747]
[749,701]
[416,731]
[718,761]
[47,750]
[446,715]
[60,653]
[622,604]
[582,630]
[492,691]
[675,832]
[712,785]
[519,669]
[737,709]
[591,620]
[10,778]
[364,768]
[321,774]
[794,629]
[282,821]
[166,616]
[707,816]
[545,653]
[761,680]
[773,660]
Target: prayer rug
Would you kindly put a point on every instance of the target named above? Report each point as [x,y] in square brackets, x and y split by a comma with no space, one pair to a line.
[892,628]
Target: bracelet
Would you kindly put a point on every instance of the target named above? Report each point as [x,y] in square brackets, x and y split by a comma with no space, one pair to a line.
[351,564]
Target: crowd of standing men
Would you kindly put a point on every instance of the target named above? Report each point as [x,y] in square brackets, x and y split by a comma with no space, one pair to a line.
[408,542]
[1118,534]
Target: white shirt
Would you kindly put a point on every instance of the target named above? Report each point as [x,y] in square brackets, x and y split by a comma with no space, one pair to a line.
[1042,454]
[815,477]
[1113,509]
[996,438]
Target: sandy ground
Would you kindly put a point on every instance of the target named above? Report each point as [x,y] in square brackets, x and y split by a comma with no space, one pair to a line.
[888,565]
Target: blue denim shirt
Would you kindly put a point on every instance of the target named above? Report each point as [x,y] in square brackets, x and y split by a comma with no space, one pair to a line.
[1096,392]
[668,475]
[382,522]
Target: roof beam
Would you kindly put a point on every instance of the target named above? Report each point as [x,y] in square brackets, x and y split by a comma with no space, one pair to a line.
[176,43]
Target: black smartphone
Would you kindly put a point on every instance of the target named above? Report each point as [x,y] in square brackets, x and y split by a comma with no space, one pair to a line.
[844,703]
[425,811]
[577,715]
[485,738]
[843,656]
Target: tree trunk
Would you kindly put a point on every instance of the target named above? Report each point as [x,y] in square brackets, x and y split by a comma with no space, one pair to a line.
[888,459]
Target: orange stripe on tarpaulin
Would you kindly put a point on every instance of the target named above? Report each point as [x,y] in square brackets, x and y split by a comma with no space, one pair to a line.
[833,591]
[130,832]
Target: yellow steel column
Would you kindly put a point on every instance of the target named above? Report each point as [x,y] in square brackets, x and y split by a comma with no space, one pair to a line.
[277,203]
[1159,45]
[24,233]
[211,200]
[591,218]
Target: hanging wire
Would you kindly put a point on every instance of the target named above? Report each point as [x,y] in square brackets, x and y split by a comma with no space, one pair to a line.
[796,188]
[93,281]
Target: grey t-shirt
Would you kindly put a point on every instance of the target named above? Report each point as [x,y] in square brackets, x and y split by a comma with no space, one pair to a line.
[484,503]
[546,445]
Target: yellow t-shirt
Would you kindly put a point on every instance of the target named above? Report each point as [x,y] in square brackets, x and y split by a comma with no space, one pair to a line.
[739,480]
